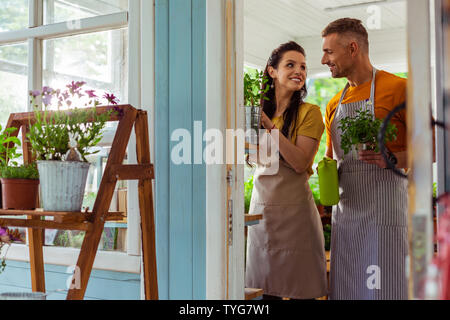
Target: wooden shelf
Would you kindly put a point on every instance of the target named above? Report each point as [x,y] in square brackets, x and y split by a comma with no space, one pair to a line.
[251,219]
[60,219]
[251,294]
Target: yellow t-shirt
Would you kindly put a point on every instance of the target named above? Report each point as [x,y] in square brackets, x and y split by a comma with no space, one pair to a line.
[309,124]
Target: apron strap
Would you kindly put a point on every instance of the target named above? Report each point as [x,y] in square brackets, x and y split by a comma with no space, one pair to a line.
[370,101]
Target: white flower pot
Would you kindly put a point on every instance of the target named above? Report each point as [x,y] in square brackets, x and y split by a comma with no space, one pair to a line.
[62,184]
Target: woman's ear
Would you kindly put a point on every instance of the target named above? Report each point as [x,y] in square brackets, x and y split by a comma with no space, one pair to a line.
[272,72]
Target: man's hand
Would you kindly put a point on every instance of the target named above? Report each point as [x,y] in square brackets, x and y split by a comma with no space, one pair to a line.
[372,157]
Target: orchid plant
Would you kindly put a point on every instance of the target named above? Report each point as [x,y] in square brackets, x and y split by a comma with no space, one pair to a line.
[49,135]
[6,238]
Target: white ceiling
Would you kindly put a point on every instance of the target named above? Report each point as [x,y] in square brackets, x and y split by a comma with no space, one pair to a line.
[268,23]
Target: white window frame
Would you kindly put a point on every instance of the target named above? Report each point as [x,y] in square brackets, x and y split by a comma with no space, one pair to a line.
[141,79]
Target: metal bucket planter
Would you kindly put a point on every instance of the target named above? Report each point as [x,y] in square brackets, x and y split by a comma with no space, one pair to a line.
[62,184]
[252,124]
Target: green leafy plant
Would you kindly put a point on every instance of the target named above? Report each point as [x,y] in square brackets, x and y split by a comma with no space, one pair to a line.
[363,129]
[248,189]
[20,172]
[49,134]
[8,147]
[314,185]
[9,168]
[254,82]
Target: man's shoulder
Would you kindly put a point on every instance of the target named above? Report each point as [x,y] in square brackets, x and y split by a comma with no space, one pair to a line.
[392,81]
[335,100]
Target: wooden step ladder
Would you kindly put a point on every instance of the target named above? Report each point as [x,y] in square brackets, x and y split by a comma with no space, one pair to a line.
[93,222]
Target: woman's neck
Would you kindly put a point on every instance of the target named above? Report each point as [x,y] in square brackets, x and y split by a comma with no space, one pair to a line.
[283,99]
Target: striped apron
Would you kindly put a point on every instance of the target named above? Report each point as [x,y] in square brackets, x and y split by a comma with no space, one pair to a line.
[369,241]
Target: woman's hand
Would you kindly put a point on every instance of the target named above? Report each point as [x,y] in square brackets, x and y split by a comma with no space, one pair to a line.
[265,121]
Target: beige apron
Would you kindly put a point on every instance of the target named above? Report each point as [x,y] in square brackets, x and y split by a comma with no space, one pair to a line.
[285,251]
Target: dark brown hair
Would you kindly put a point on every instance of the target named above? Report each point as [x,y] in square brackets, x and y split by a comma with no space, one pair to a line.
[270,106]
[348,26]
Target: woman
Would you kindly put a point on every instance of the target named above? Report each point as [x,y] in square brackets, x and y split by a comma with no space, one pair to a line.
[286,255]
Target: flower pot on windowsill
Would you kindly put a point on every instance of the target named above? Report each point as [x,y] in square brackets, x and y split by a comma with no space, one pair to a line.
[19,194]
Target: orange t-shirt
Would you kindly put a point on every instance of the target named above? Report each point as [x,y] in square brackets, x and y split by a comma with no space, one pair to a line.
[390,91]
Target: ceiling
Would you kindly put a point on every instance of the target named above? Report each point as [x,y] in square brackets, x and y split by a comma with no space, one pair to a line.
[268,23]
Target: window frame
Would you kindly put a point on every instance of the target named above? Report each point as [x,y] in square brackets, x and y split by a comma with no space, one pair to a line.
[34,35]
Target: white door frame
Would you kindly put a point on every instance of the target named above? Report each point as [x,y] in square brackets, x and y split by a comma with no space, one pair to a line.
[225,250]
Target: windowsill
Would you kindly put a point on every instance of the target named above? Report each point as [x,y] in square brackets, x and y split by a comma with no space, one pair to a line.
[104,260]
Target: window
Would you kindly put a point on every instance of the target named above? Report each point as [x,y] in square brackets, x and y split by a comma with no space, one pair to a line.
[73,40]
[14,80]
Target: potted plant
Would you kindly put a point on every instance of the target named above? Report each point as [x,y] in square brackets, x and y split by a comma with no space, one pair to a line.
[360,132]
[255,89]
[20,184]
[60,142]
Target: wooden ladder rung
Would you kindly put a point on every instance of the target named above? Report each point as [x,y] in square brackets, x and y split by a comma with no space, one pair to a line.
[251,293]
[45,224]
[61,219]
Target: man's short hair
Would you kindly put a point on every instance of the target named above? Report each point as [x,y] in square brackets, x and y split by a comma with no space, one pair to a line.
[351,27]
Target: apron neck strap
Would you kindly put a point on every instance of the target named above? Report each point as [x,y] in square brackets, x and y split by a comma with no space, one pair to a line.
[372,89]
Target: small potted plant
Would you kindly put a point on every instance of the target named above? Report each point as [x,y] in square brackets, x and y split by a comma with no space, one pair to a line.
[255,89]
[60,142]
[20,184]
[360,132]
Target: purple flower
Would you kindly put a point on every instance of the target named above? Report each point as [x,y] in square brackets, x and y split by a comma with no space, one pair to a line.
[65,95]
[35,93]
[3,231]
[47,99]
[111,98]
[75,86]
[47,90]
[91,93]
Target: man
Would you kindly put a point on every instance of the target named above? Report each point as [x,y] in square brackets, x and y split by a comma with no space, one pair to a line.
[369,226]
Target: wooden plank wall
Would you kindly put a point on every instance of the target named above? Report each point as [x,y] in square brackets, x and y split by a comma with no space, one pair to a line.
[180,56]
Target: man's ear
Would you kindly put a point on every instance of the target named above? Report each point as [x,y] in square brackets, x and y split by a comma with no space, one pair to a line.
[354,48]
[272,72]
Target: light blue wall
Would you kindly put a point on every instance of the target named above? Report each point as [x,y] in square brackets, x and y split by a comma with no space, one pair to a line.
[180,99]
[102,285]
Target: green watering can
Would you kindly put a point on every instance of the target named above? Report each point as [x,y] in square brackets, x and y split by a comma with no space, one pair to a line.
[328,182]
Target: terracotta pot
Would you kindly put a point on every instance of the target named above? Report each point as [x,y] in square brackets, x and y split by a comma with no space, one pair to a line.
[20,194]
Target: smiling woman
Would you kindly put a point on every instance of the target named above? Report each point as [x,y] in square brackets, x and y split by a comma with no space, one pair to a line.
[290,238]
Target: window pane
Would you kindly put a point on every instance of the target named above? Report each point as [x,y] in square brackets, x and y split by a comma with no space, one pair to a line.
[13,15]
[100,59]
[66,10]
[13,79]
